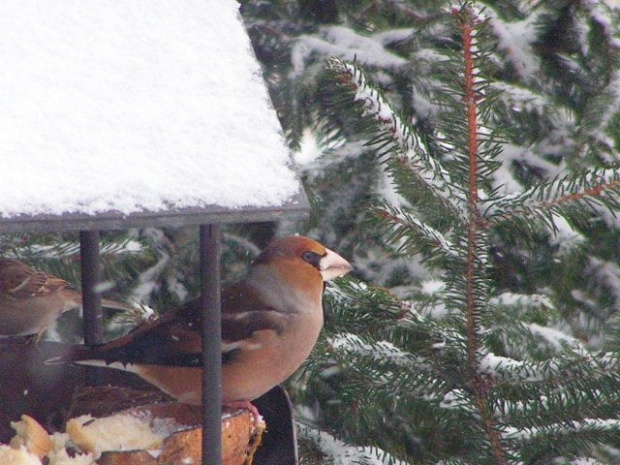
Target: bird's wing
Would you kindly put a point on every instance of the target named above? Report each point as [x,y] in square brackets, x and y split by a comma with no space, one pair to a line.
[245,318]
[175,337]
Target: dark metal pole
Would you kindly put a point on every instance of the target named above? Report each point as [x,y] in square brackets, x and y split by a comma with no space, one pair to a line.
[91,300]
[211,344]
[91,276]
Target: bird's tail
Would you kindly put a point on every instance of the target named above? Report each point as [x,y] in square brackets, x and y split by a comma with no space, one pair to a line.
[73,354]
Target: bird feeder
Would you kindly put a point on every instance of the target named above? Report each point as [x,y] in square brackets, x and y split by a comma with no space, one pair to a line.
[130,114]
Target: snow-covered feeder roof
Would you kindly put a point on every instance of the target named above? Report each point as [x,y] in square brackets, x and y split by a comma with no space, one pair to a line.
[122,113]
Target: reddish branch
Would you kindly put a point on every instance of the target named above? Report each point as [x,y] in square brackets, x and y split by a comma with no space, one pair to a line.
[595,191]
[472,150]
[467,24]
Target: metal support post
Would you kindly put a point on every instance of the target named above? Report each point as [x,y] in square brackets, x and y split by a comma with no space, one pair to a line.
[91,277]
[211,344]
[91,299]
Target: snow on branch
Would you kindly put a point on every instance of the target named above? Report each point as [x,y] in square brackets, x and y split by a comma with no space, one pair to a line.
[588,425]
[338,452]
[380,351]
[347,44]
[397,137]
[415,236]
[591,190]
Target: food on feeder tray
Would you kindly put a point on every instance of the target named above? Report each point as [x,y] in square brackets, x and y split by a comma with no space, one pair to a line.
[20,456]
[32,445]
[123,431]
[31,436]
[155,434]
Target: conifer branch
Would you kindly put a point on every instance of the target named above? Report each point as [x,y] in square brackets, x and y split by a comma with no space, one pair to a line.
[489,356]
[414,235]
[561,196]
[395,137]
[594,191]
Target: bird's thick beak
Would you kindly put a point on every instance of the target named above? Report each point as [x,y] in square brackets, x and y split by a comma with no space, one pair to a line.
[333,265]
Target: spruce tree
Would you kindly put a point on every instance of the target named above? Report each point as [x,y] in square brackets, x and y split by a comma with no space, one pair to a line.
[477,145]
[470,173]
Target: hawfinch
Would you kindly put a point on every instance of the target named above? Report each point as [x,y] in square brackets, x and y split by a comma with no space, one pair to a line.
[271,320]
[31,300]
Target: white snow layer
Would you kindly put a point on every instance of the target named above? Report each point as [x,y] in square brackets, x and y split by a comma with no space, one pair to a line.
[340,453]
[130,105]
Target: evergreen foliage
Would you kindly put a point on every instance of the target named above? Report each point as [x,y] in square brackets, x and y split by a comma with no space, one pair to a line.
[476,145]
[469,169]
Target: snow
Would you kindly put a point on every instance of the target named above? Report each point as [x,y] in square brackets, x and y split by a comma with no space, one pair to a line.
[457,399]
[339,453]
[133,105]
[521,300]
[147,282]
[310,148]
[513,154]
[586,424]
[71,248]
[382,351]
[564,236]
[514,38]
[432,286]
[556,339]
[425,167]
[607,273]
[509,368]
[342,42]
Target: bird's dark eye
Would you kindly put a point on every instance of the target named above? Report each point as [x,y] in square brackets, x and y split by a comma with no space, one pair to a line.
[311,257]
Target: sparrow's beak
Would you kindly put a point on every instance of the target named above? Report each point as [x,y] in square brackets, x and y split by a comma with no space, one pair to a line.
[333,265]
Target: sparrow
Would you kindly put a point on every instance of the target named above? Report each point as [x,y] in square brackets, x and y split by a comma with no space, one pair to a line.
[271,320]
[31,300]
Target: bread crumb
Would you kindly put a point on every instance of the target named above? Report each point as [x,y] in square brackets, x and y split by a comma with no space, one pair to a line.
[121,432]
[62,457]
[20,456]
[59,455]
[32,436]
